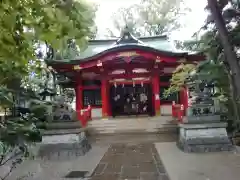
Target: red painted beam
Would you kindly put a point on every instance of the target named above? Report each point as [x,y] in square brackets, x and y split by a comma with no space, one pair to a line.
[147,56]
[126,76]
[128,82]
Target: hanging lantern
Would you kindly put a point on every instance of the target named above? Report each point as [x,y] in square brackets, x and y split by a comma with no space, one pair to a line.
[158,59]
[77,67]
[99,63]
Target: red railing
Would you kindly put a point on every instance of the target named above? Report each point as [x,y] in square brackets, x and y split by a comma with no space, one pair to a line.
[177,111]
[85,116]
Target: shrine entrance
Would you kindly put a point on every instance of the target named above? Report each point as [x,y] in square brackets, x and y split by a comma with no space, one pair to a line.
[131,99]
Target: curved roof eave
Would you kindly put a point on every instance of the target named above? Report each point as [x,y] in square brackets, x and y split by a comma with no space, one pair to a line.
[119,48]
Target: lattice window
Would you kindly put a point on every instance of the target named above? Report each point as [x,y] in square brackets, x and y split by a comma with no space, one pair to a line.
[92,97]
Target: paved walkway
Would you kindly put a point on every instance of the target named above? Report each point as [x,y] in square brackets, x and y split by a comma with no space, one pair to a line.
[121,147]
[58,169]
[133,138]
[205,166]
[135,157]
[132,162]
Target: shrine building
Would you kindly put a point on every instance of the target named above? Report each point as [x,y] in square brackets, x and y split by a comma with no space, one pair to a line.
[125,76]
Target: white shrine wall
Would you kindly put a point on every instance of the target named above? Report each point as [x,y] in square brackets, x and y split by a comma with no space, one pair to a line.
[96,112]
[166,109]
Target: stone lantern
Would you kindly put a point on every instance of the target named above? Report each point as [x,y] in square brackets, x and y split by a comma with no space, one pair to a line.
[201,129]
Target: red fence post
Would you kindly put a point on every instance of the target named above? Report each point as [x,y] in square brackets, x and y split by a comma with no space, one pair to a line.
[90,112]
[84,119]
[173,109]
[86,116]
[181,113]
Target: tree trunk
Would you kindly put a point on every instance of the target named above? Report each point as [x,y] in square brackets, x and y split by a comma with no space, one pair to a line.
[236,110]
[230,55]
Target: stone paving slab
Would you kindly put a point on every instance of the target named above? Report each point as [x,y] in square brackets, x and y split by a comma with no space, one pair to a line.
[207,166]
[57,170]
[132,162]
[136,138]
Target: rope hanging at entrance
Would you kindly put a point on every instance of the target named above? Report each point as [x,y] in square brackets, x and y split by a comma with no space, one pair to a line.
[115,89]
[134,89]
[144,89]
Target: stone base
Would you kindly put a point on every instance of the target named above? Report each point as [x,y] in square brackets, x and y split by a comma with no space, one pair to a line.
[202,148]
[204,119]
[204,138]
[62,147]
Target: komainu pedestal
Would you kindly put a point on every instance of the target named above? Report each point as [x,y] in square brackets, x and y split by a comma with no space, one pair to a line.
[202,129]
[207,137]
[63,147]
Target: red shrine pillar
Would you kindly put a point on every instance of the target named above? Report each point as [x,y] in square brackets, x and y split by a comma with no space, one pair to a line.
[79,99]
[105,98]
[156,94]
[184,97]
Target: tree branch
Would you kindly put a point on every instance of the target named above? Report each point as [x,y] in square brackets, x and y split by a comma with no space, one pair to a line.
[10,158]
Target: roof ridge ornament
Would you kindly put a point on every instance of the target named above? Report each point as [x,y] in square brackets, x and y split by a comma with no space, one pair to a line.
[127,38]
[126,30]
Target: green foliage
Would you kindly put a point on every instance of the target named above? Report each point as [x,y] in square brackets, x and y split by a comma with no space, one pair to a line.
[27,26]
[209,41]
[17,129]
[149,17]
[11,156]
[5,97]
[18,132]
[71,51]
[24,23]
[15,135]
[178,78]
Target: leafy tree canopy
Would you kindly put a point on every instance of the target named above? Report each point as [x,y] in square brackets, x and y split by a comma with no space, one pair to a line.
[148,18]
[25,23]
[209,39]
[27,26]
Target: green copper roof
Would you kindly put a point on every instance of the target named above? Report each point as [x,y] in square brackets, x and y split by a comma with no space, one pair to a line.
[127,41]
[98,46]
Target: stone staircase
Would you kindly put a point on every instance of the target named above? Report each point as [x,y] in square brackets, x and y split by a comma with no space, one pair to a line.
[133,125]
[118,125]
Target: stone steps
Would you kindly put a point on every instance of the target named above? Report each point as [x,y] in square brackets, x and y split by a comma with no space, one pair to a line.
[132,125]
[161,124]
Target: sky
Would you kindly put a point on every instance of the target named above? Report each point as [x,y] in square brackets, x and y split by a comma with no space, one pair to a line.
[192,21]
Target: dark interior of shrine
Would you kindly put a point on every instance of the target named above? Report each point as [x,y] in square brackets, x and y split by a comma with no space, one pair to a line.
[131,100]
